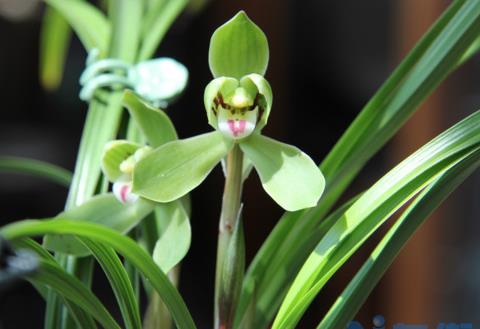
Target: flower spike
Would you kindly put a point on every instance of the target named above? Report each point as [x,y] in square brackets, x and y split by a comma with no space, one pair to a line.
[237,103]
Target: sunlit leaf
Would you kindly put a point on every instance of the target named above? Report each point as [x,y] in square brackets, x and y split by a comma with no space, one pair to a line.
[122,244]
[103,209]
[436,55]
[357,291]
[372,209]
[119,280]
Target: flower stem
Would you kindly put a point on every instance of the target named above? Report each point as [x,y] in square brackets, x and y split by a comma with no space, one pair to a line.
[231,251]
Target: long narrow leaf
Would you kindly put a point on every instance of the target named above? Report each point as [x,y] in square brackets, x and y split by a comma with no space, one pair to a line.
[122,244]
[89,23]
[36,168]
[126,17]
[103,118]
[427,65]
[73,289]
[159,18]
[55,38]
[120,282]
[352,298]
[372,209]
[103,209]
[83,319]
[393,105]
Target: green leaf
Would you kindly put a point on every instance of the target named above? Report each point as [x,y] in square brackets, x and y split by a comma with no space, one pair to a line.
[158,20]
[126,17]
[151,4]
[103,209]
[122,244]
[471,51]
[83,319]
[282,169]
[237,48]
[372,209]
[89,23]
[253,278]
[176,168]
[101,126]
[248,319]
[418,75]
[155,125]
[36,168]
[73,289]
[435,56]
[115,152]
[357,291]
[103,118]
[174,235]
[55,36]
[120,282]
[156,314]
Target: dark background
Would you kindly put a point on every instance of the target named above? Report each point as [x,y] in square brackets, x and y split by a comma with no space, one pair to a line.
[327,60]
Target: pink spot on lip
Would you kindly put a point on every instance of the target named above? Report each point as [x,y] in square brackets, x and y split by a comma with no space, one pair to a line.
[236,126]
[123,193]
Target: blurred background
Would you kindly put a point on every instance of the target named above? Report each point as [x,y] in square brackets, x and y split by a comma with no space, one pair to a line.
[327,59]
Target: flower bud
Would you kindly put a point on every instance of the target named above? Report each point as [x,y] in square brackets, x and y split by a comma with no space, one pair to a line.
[118,162]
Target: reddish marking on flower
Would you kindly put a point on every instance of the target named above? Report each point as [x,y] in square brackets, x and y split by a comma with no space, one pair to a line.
[237,126]
[123,193]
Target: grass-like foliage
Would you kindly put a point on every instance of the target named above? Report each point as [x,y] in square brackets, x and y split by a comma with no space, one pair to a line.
[146,217]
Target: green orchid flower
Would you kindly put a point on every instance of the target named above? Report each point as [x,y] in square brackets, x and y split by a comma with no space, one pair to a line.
[118,161]
[238,103]
[238,108]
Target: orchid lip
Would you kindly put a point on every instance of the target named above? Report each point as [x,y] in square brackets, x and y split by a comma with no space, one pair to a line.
[123,192]
[237,126]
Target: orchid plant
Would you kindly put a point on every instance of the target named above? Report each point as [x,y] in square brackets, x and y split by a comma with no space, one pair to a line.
[146,217]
